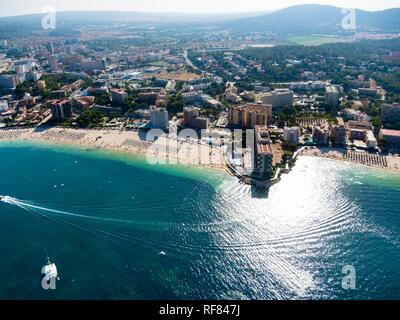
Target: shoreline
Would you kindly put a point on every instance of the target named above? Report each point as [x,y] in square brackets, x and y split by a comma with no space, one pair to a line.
[179,153]
[338,154]
[128,143]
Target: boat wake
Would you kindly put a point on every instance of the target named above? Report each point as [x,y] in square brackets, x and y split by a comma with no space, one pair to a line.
[56,215]
[29,206]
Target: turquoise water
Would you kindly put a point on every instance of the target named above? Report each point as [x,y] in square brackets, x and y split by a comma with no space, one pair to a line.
[119,228]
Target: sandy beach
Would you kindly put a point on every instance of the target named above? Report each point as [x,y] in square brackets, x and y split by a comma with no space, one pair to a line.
[167,150]
[164,149]
[388,163]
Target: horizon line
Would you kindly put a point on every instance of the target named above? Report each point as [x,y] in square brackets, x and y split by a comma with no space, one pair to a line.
[202,13]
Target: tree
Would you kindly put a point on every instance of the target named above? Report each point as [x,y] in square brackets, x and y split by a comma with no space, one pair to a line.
[26,87]
[377,123]
[87,83]
[90,118]
[287,146]
[102,98]
[176,104]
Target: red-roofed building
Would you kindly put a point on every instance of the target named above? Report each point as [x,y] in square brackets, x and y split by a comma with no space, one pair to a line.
[83,102]
[391,136]
[118,96]
[61,109]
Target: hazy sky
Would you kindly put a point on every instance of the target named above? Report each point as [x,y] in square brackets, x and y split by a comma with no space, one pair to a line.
[18,7]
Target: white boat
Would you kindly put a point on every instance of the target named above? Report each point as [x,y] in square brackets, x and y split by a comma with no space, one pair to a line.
[50,270]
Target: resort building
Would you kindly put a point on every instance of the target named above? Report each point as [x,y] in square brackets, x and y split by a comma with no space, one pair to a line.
[83,102]
[356,134]
[61,109]
[97,90]
[292,135]
[73,61]
[191,96]
[232,97]
[339,135]
[149,98]
[299,86]
[368,92]
[192,118]
[332,95]
[248,95]
[249,115]
[162,100]
[9,81]
[364,125]
[90,66]
[209,101]
[118,96]
[370,139]
[361,132]
[361,82]
[355,115]
[278,98]
[321,135]
[391,136]
[318,85]
[263,153]
[159,118]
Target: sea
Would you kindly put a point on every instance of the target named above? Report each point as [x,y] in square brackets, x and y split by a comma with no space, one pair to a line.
[118,227]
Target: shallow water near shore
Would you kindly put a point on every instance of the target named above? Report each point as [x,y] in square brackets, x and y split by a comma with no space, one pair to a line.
[119,228]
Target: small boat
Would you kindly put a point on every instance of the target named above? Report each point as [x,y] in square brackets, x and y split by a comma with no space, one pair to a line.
[50,270]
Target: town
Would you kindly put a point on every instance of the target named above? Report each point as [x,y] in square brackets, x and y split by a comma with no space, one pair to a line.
[298,100]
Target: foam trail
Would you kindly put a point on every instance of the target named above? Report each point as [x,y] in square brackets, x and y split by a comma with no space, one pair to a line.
[183,226]
[29,206]
[42,211]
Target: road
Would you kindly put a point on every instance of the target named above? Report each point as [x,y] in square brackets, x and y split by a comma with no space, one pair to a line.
[188,62]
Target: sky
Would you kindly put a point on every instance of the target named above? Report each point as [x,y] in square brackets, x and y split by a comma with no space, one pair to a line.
[20,7]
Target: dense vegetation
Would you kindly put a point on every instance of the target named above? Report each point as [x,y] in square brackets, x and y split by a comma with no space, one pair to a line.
[176,104]
[336,60]
[91,118]
[53,82]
